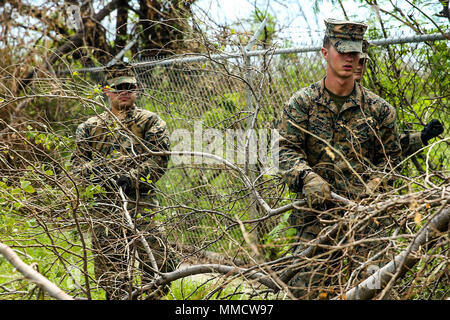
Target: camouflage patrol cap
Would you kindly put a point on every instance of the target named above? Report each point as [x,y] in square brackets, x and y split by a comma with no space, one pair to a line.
[119,73]
[345,36]
[365,46]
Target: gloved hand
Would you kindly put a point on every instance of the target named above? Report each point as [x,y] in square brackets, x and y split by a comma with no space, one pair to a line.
[316,189]
[124,182]
[372,186]
[431,130]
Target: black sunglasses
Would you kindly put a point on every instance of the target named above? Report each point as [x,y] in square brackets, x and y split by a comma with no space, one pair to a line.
[125,87]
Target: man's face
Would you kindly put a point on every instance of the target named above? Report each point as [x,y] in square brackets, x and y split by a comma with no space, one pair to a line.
[122,96]
[360,69]
[341,65]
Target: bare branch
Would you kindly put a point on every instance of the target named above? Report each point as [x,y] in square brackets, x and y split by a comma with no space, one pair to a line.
[402,262]
[33,275]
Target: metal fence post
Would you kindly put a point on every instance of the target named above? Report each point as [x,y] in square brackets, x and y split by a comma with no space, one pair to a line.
[249,168]
[249,94]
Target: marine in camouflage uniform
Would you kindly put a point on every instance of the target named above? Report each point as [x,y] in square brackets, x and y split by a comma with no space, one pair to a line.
[113,157]
[335,143]
[411,142]
[359,140]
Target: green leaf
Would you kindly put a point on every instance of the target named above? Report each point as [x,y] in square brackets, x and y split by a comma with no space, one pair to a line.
[290,232]
[29,189]
[26,186]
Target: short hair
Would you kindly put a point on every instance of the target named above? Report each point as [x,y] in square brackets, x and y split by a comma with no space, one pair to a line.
[326,42]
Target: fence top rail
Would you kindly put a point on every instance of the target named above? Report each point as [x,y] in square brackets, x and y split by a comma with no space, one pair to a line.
[195,57]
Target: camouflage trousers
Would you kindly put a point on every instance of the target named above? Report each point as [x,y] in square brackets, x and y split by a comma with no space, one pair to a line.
[118,248]
[321,276]
[317,276]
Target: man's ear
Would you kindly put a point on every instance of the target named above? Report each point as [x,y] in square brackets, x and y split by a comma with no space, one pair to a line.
[324,53]
[107,90]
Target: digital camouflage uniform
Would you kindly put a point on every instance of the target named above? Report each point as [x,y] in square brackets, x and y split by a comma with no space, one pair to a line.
[365,47]
[105,151]
[361,138]
[364,132]
[345,36]
[411,143]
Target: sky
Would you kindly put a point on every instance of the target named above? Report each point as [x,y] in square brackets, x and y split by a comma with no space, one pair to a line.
[296,18]
[288,12]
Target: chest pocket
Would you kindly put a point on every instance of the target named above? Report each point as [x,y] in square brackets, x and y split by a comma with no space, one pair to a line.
[320,126]
[363,132]
[115,141]
[363,140]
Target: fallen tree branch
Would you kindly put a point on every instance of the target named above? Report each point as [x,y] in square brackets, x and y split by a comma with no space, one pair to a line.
[309,252]
[210,256]
[32,274]
[264,279]
[402,263]
[168,277]
[287,275]
[130,223]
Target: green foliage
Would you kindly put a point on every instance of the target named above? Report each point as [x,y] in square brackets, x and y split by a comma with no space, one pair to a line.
[201,287]
[224,113]
[269,31]
[54,263]
[279,240]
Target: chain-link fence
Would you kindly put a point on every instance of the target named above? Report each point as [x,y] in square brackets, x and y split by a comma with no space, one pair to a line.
[228,94]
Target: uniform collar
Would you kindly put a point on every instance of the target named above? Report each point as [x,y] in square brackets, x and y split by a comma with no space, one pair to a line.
[123,116]
[323,97]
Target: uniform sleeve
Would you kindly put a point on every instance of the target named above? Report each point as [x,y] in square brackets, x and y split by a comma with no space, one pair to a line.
[291,143]
[156,138]
[389,153]
[82,156]
[411,143]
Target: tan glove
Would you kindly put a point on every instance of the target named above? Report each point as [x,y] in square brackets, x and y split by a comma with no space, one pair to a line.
[316,189]
[372,186]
